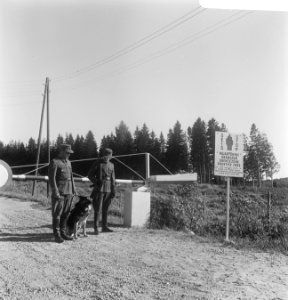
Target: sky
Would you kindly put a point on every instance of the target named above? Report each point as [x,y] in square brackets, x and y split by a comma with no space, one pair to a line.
[142,61]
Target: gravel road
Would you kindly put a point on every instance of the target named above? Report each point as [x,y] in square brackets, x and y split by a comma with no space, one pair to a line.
[127,264]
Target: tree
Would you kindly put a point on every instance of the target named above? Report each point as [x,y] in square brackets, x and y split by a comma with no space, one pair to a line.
[31,151]
[155,145]
[142,139]
[79,153]
[213,126]
[123,140]
[69,139]
[177,149]
[199,149]
[107,141]
[273,167]
[90,145]
[59,140]
[260,158]
[162,145]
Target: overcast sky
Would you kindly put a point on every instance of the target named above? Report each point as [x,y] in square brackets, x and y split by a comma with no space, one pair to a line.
[230,65]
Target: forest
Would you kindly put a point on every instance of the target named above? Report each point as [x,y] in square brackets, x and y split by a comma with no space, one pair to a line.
[181,151]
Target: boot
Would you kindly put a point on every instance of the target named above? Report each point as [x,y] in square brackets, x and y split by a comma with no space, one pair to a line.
[104,223]
[56,231]
[106,229]
[96,231]
[63,220]
[58,239]
[65,236]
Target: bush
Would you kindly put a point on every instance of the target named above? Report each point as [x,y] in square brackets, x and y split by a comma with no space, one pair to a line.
[204,212]
[179,209]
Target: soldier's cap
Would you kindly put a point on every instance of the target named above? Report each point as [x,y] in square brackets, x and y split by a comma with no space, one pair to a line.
[107,152]
[65,148]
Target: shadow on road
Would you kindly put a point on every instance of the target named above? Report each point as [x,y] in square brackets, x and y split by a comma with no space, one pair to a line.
[26,237]
[20,234]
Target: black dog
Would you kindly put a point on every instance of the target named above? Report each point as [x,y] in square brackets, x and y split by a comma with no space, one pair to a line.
[78,217]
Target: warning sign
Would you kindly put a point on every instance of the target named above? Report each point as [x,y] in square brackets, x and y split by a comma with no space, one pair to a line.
[228,154]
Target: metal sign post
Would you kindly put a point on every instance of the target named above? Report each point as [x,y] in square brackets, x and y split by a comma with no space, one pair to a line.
[227,209]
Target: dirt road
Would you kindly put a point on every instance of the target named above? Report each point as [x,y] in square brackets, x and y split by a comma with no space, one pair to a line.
[127,264]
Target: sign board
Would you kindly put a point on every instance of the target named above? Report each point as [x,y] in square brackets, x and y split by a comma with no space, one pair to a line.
[228,154]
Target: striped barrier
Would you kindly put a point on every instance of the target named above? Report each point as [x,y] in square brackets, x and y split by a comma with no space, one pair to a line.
[76,179]
[168,179]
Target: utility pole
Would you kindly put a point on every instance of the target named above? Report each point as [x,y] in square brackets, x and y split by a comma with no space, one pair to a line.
[48,129]
[39,136]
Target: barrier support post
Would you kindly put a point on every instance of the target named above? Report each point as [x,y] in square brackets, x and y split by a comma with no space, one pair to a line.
[147,166]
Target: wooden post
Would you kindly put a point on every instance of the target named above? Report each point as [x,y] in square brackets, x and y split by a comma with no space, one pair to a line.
[147,166]
[228,209]
[48,130]
[39,137]
[269,207]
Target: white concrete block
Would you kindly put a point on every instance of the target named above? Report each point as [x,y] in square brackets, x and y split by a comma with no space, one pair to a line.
[136,208]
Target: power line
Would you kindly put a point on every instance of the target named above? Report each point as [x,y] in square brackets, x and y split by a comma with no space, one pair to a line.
[175,46]
[136,45]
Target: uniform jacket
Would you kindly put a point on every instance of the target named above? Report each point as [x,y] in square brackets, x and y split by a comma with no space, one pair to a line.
[61,177]
[102,175]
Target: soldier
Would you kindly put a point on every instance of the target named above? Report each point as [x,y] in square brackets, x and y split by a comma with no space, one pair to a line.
[63,188]
[102,175]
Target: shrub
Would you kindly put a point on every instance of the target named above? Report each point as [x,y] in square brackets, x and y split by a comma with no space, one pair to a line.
[181,209]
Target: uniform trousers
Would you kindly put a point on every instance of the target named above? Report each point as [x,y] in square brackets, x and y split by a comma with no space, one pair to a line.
[101,199]
[61,208]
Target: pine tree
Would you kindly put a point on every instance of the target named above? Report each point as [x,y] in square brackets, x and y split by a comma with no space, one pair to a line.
[69,139]
[59,140]
[142,139]
[90,145]
[260,158]
[213,126]
[123,140]
[199,150]
[177,149]
[107,141]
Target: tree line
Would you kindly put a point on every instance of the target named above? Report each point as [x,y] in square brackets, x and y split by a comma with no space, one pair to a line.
[181,151]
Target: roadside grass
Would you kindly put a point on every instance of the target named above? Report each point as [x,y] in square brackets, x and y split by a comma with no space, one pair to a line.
[200,208]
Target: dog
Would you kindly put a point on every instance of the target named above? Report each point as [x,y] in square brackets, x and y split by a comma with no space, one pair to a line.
[78,217]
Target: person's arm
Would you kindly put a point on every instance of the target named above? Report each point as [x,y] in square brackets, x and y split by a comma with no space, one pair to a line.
[92,173]
[73,182]
[52,179]
[113,182]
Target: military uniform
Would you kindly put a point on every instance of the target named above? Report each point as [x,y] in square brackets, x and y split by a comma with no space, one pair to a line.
[63,187]
[102,175]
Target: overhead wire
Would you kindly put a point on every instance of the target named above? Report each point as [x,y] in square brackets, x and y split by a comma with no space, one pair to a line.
[168,27]
[188,40]
[188,16]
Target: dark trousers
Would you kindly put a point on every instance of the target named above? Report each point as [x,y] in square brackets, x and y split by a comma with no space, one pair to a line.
[101,200]
[61,208]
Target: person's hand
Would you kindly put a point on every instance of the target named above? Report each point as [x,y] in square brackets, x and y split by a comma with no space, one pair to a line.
[113,194]
[57,195]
